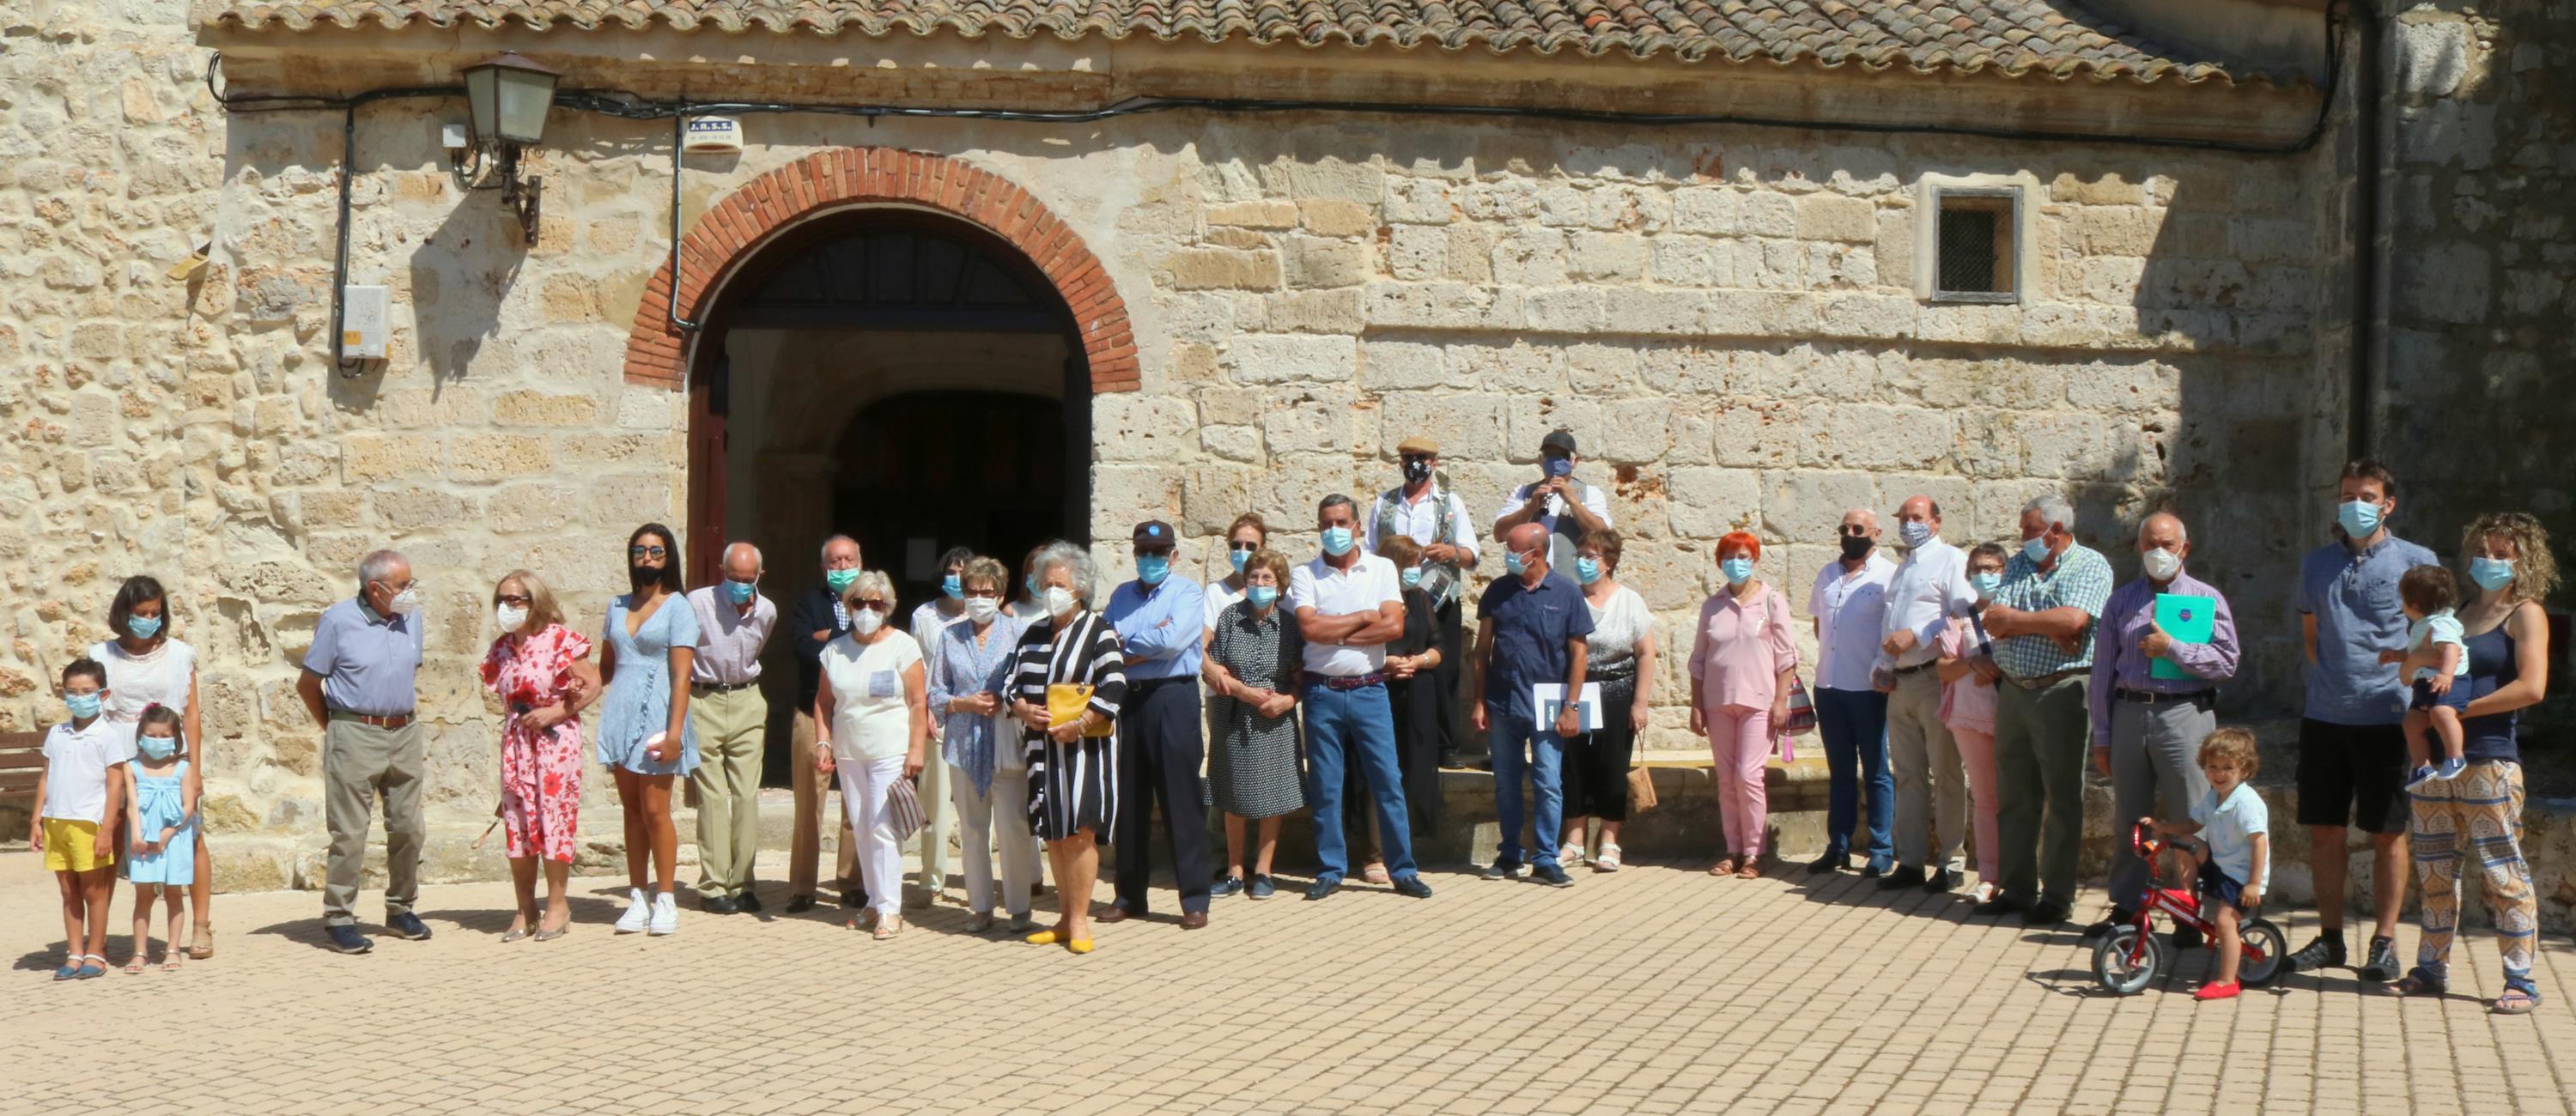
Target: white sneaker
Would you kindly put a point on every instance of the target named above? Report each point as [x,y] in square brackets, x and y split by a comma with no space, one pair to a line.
[666,915]
[638,911]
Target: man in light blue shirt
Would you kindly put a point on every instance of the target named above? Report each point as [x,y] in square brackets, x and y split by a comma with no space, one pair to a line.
[1160,620]
[2352,741]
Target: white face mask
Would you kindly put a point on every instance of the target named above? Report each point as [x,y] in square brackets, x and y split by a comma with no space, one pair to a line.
[1059,600]
[982,609]
[2161,564]
[404,603]
[511,617]
[866,621]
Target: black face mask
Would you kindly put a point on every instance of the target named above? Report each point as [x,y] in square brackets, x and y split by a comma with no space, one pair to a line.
[1856,547]
[1417,469]
[642,576]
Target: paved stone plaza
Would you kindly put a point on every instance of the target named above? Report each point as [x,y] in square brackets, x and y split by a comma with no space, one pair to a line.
[1653,990]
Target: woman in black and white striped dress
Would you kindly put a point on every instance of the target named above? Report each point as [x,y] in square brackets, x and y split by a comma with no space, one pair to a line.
[1073,767]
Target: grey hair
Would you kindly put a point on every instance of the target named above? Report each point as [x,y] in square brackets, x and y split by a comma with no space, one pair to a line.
[871,579]
[826,554]
[757,562]
[2054,509]
[1076,562]
[377,564]
[2182,532]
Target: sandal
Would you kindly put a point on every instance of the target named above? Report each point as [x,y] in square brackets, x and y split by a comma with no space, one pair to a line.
[2518,999]
[887,928]
[1608,859]
[1726,866]
[135,963]
[1752,869]
[1375,873]
[201,944]
[2420,981]
[170,964]
[88,971]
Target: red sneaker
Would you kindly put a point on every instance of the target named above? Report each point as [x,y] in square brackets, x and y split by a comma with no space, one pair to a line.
[2216,991]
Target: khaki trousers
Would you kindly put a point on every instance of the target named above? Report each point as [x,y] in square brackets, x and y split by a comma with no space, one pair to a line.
[730,728]
[1931,779]
[361,763]
[805,846]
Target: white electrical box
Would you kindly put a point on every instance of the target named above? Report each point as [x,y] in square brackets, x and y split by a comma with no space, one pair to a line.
[713,135]
[364,322]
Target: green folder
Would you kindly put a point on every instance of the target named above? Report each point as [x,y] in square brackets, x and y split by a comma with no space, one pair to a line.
[2185,619]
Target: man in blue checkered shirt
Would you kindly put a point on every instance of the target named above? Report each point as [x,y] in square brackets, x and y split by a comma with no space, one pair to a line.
[2042,621]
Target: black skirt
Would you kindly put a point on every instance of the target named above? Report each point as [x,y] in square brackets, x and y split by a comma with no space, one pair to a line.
[1596,763]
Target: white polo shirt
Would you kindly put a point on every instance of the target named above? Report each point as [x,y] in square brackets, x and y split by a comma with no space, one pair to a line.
[1365,587]
[76,764]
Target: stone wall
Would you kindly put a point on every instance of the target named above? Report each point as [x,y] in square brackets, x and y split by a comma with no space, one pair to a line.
[1724,317]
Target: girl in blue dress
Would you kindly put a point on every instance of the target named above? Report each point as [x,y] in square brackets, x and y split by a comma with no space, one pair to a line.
[644,736]
[161,824]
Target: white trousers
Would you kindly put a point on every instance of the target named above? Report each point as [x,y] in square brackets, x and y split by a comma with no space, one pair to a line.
[880,855]
[981,819]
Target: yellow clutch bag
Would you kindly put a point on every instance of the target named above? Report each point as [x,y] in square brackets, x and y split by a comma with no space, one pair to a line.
[1069,702]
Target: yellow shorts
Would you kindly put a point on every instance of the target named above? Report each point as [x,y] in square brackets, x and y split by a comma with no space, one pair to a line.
[72,846]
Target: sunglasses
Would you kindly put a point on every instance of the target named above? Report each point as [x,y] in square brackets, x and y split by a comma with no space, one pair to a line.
[646,552]
[512,599]
[1245,547]
[875,605]
[1854,530]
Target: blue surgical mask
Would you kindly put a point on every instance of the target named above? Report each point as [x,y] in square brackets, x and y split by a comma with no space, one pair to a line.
[83,706]
[1586,570]
[1262,596]
[2036,549]
[1736,570]
[1986,583]
[2358,518]
[1338,541]
[740,591]
[952,586]
[158,747]
[143,627]
[1153,568]
[1557,466]
[1238,557]
[1031,584]
[1914,534]
[2491,574]
[1412,576]
[1512,561]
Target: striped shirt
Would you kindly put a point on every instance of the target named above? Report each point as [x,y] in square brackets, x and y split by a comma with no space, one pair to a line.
[1080,791]
[2080,579]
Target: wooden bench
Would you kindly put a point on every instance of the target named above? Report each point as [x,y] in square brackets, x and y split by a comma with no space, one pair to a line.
[22,762]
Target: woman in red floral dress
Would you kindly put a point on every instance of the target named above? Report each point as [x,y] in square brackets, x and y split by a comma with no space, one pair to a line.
[537,670]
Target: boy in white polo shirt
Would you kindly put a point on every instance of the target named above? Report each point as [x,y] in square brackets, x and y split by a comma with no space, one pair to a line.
[74,802]
[2235,861]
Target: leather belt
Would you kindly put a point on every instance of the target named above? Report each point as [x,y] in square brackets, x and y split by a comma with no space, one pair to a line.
[1354,682]
[721,687]
[2047,680]
[1917,668]
[1140,685]
[394,721]
[2143,697]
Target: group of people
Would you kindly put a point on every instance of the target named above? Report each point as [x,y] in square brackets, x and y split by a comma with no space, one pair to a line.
[1956,691]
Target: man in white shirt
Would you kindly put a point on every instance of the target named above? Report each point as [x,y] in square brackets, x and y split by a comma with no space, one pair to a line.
[1565,506]
[1348,605]
[732,720]
[1425,510]
[1928,588]
[1849,605]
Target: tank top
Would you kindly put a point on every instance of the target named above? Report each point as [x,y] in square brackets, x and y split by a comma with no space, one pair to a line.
[2491,666]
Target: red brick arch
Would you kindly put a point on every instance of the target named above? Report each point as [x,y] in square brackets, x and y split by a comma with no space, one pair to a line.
[657,352]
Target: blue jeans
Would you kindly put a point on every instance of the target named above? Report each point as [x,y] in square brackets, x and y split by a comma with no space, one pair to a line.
[1354,727]
[1854,725]
[1543,762]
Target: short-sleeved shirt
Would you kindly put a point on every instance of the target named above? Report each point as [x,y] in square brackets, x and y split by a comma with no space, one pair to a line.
[729,643]
[1563,537]
[2229,828]
[1850,606]
[2431,632]
[1369,585]
[369,662]
[1219,597]
[2353,595]
[76,763]
[870,720]
[2081,579]
[161,676]
[1531,627]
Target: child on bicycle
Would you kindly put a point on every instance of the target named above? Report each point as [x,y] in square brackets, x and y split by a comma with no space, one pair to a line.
[2234,861]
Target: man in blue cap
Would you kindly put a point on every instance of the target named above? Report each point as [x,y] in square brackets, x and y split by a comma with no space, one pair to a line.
[1160,619]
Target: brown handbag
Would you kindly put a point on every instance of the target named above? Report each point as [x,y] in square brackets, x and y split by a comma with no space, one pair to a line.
[1641,788]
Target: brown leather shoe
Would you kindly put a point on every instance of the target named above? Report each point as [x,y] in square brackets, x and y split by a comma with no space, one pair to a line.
[1115,913]
[1192,920]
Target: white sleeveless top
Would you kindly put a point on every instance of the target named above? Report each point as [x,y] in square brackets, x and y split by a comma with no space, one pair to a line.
[162,676]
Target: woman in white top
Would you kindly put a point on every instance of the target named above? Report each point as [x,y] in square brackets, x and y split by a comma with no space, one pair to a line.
[146,667]
[873,728]
[1248,534]
[1623,662]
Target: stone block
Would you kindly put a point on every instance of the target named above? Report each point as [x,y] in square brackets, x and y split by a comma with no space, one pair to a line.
[1203,269]
[1707,210]
[1739,313]
[1516,366]
[1308,426]
[1327,311]
[2139,385]
[1632,431]
[1872,436]
[1280,358]
[1442,306]
[1690,261]
[490,457]
[1316,262]
[411,509]
[532,508]
[1233,443]
[1564,309]
[1687,373]
[1131,426]
[1415,252]
[1509,199]
[1417,201]
[1767,214]
[1708,502]
[1601,370]
[1969,324]
[1406,365]
[568,298]
[2449,281]
[1530,257]
[373,457]
[2110,189]
[1262,213]
[2115,230]
[1836,217]
[540,408]
[1652,310]
[1607,257]
[1468,427]
[2068,444]
[1808,504]
[1533,416]
[1194,363]
[1471,253]
[1867,315]
[2434,56]
[1211,496]
[1337,217]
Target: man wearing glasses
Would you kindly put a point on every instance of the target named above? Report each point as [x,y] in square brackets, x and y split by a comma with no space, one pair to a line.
[1425,510]
[360,685]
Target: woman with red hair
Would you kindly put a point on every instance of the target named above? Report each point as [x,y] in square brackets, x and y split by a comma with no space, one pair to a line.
[1742,661]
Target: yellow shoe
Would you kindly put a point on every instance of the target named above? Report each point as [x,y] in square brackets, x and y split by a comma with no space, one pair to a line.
[1042,937]
[1079,945]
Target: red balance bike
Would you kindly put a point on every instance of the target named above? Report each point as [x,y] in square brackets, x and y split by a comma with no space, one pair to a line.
[2130,957]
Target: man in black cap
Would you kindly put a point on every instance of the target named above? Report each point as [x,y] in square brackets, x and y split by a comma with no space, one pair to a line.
[1565,506]
[1160,620]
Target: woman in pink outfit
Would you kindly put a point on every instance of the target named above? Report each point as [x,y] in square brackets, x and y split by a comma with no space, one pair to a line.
[1968,708]
[1741,664]
[537,668]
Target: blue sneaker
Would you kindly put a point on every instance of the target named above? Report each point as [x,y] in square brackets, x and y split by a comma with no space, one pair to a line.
[347,939]
[1552,876]
[1412,886]
[407,926]
[1226,887]
[1323,887]
[1260,888]
[2420,776]
[2452,767]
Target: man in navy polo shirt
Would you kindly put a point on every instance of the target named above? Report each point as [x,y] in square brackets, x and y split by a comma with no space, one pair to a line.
[1531,627]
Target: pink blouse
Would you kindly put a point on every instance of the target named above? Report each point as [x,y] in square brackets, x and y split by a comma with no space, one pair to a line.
[1740,648]
[1968,703]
